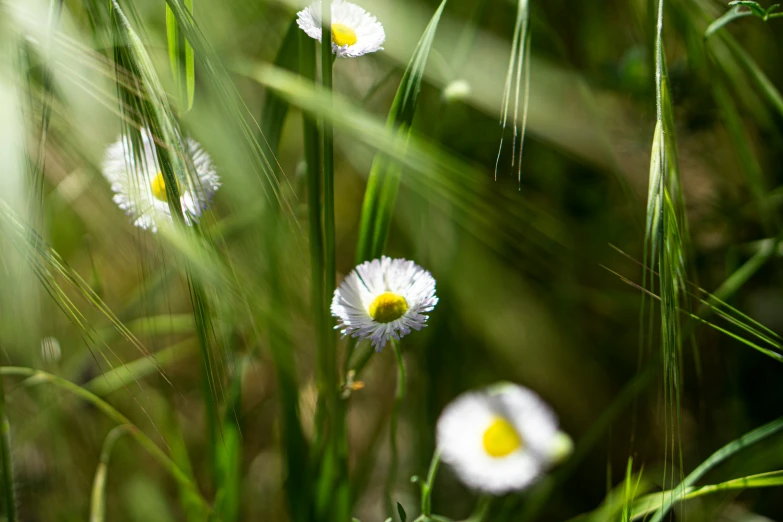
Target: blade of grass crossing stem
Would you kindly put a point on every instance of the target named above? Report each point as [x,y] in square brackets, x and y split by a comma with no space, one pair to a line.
[384,179]
[98,499]
[158,118]
[716,458]
[35,377]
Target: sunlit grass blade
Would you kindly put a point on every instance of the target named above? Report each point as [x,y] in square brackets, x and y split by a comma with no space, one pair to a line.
[448,182]
[181,58]
[134,371]
[98,500]
[518,80]
[384,179]
[713,460]
[648,504]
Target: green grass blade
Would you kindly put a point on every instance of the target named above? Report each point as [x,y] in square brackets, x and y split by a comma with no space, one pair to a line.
[731,15]
[229,454]
[384,180]
[181,58]
[98,499]
[276,108]
[35,377]
[118,378]
[716,458]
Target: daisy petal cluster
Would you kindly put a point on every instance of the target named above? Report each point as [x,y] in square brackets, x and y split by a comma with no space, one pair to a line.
[140,189]
[384,299]
[354,31]
[500,439]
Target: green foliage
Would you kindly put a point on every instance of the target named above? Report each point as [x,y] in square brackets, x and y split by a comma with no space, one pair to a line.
[211,344]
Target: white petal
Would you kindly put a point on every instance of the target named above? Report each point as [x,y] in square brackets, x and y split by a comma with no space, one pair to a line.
[367,281]
[460,433]
[131,180]
[369,32]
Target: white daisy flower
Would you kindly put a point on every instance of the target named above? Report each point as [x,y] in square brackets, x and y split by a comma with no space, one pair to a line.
[383,299]
[139,187]
[354,31]
[500,439]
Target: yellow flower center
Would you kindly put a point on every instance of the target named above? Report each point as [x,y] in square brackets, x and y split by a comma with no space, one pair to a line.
[501,439]
[343,35]
[158,186]
[387,307]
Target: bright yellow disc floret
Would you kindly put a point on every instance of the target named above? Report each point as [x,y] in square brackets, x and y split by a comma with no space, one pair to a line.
[501,439]
[387,307]
[343,35]
[158,187]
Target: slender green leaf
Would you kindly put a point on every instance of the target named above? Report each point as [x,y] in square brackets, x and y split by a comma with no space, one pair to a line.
[716,458]
[384,180]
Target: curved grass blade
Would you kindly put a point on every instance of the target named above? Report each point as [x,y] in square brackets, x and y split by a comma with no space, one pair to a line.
[647,504]
[35,377]
[713,460]
[384,180]
[98,499]
[732,14]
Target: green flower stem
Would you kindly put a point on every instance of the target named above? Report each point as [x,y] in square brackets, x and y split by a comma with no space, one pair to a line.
[426,488]
[5,450]
[37,377]
[398,398]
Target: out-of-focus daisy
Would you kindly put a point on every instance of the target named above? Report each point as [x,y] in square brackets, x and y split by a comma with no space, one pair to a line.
[383,299]
[139,187]
[354,31]
[500,439]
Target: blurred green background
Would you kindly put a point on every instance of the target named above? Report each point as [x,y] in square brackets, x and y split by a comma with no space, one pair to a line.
[527,271]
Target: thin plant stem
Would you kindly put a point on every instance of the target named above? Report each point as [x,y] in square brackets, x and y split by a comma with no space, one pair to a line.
[313,161]
[399,396]
[5,450]
[426,488]
[37,377]
[98,500]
